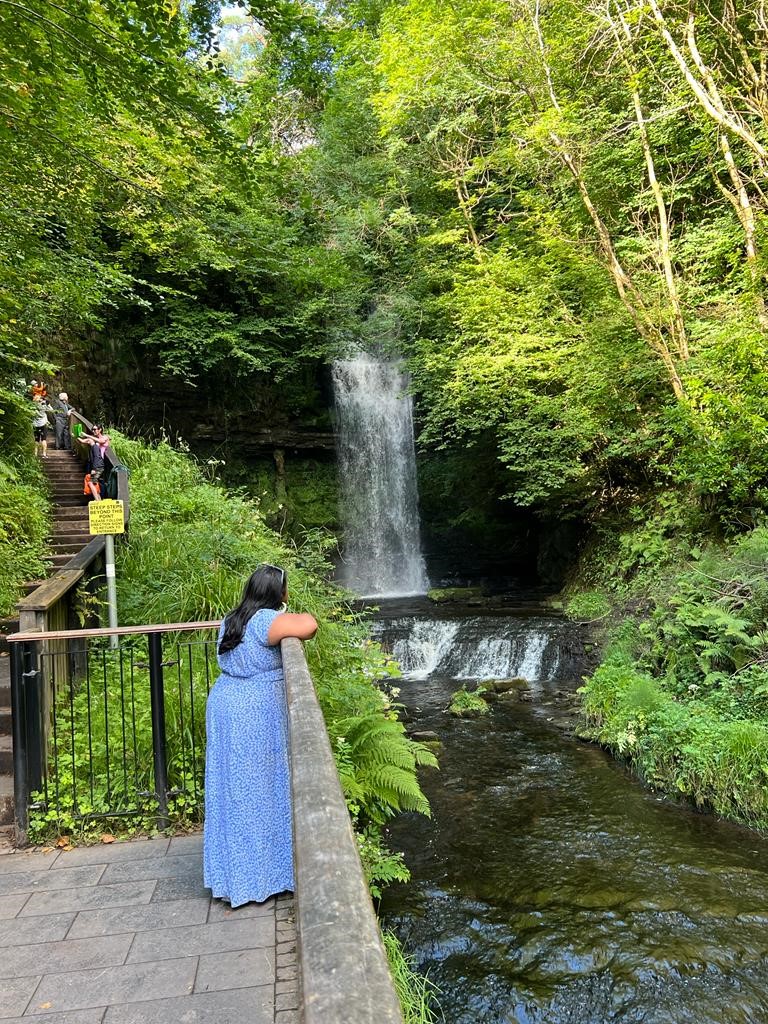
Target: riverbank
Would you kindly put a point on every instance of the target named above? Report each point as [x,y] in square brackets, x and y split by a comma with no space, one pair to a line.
[681,694]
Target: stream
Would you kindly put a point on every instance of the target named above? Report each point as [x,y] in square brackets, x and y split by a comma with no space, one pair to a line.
[549,887]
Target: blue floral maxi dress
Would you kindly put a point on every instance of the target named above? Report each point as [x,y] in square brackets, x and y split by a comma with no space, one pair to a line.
[248,843]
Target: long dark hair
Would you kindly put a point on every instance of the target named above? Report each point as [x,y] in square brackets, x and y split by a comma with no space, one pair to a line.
[265,589]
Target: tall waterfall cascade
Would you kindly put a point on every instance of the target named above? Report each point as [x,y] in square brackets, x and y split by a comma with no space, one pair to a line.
[377,468]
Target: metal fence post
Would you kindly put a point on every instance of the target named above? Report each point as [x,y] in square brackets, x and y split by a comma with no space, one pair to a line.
[36,754]
[159,750]
[19,725]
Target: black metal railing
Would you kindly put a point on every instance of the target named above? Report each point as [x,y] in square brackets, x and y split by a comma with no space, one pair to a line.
[102,732]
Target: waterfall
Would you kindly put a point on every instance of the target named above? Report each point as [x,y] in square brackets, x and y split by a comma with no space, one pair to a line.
[377,468]
[475,648]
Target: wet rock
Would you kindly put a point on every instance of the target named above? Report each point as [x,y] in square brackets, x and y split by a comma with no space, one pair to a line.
[425,736]
[507,685]
[512,696]
[490,696]
[447,595]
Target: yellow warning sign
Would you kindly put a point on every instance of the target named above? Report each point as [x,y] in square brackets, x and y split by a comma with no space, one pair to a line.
[106,516]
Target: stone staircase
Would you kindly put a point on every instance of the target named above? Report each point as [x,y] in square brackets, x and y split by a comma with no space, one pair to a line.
[70,534]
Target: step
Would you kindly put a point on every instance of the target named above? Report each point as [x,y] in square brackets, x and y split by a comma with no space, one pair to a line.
[70,514]
[72,502]
[6,799]
[6,755]
[57,561]
[5,721]
[69,536]
[63,548]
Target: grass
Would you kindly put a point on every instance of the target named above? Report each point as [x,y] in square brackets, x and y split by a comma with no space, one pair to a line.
[417,994]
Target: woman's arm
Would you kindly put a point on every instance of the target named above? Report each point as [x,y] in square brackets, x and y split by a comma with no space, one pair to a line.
[287,624]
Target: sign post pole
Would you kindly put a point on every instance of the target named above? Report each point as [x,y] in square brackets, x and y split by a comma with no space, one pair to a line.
[106,517]
[109,557]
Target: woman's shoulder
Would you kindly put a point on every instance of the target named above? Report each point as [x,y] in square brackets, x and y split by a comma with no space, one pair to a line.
[260,622]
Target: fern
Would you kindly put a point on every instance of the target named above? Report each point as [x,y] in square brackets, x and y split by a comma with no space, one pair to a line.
[377,765]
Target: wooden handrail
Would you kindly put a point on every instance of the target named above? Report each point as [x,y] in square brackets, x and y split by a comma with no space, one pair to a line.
[70,634]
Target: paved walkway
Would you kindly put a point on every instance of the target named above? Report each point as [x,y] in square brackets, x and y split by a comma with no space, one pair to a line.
[126,934]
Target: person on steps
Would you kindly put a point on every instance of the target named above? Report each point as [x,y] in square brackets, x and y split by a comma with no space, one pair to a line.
[61,411]
[40,425]
[248,841]
[98,442]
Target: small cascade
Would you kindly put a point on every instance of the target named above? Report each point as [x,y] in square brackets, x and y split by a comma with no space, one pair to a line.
[476,648]
[377,469]
[427,647]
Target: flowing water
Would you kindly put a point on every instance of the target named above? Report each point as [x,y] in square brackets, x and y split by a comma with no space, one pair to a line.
[549,887]
[377,472]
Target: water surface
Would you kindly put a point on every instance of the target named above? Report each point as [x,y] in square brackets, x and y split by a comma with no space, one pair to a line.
[549,887]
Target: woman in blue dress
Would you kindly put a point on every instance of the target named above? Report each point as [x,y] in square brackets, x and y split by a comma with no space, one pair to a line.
[248,848]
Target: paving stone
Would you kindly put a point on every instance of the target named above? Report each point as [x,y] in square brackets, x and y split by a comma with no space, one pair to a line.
[27,862]
[287,947]
[180,889]
[165,943]
[242,969]
[42,881]
[190,866]
[283,987]
[109,853]
[221,911]
[240,1006]
[288,973]
[15,994]
[34,929]
[11,905]
[187,844]
[128,894]
[80,990]
[94,1016]
[285,960]
[287,1017]
[69,955]
[138,919]
[287,1001]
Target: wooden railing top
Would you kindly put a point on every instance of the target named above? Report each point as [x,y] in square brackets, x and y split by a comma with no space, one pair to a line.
[84,634]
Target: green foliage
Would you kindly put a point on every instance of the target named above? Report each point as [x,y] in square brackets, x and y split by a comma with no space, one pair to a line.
[417,994]
[683,694]
[381,866]
[588,606]
[24,527]
[469,703]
